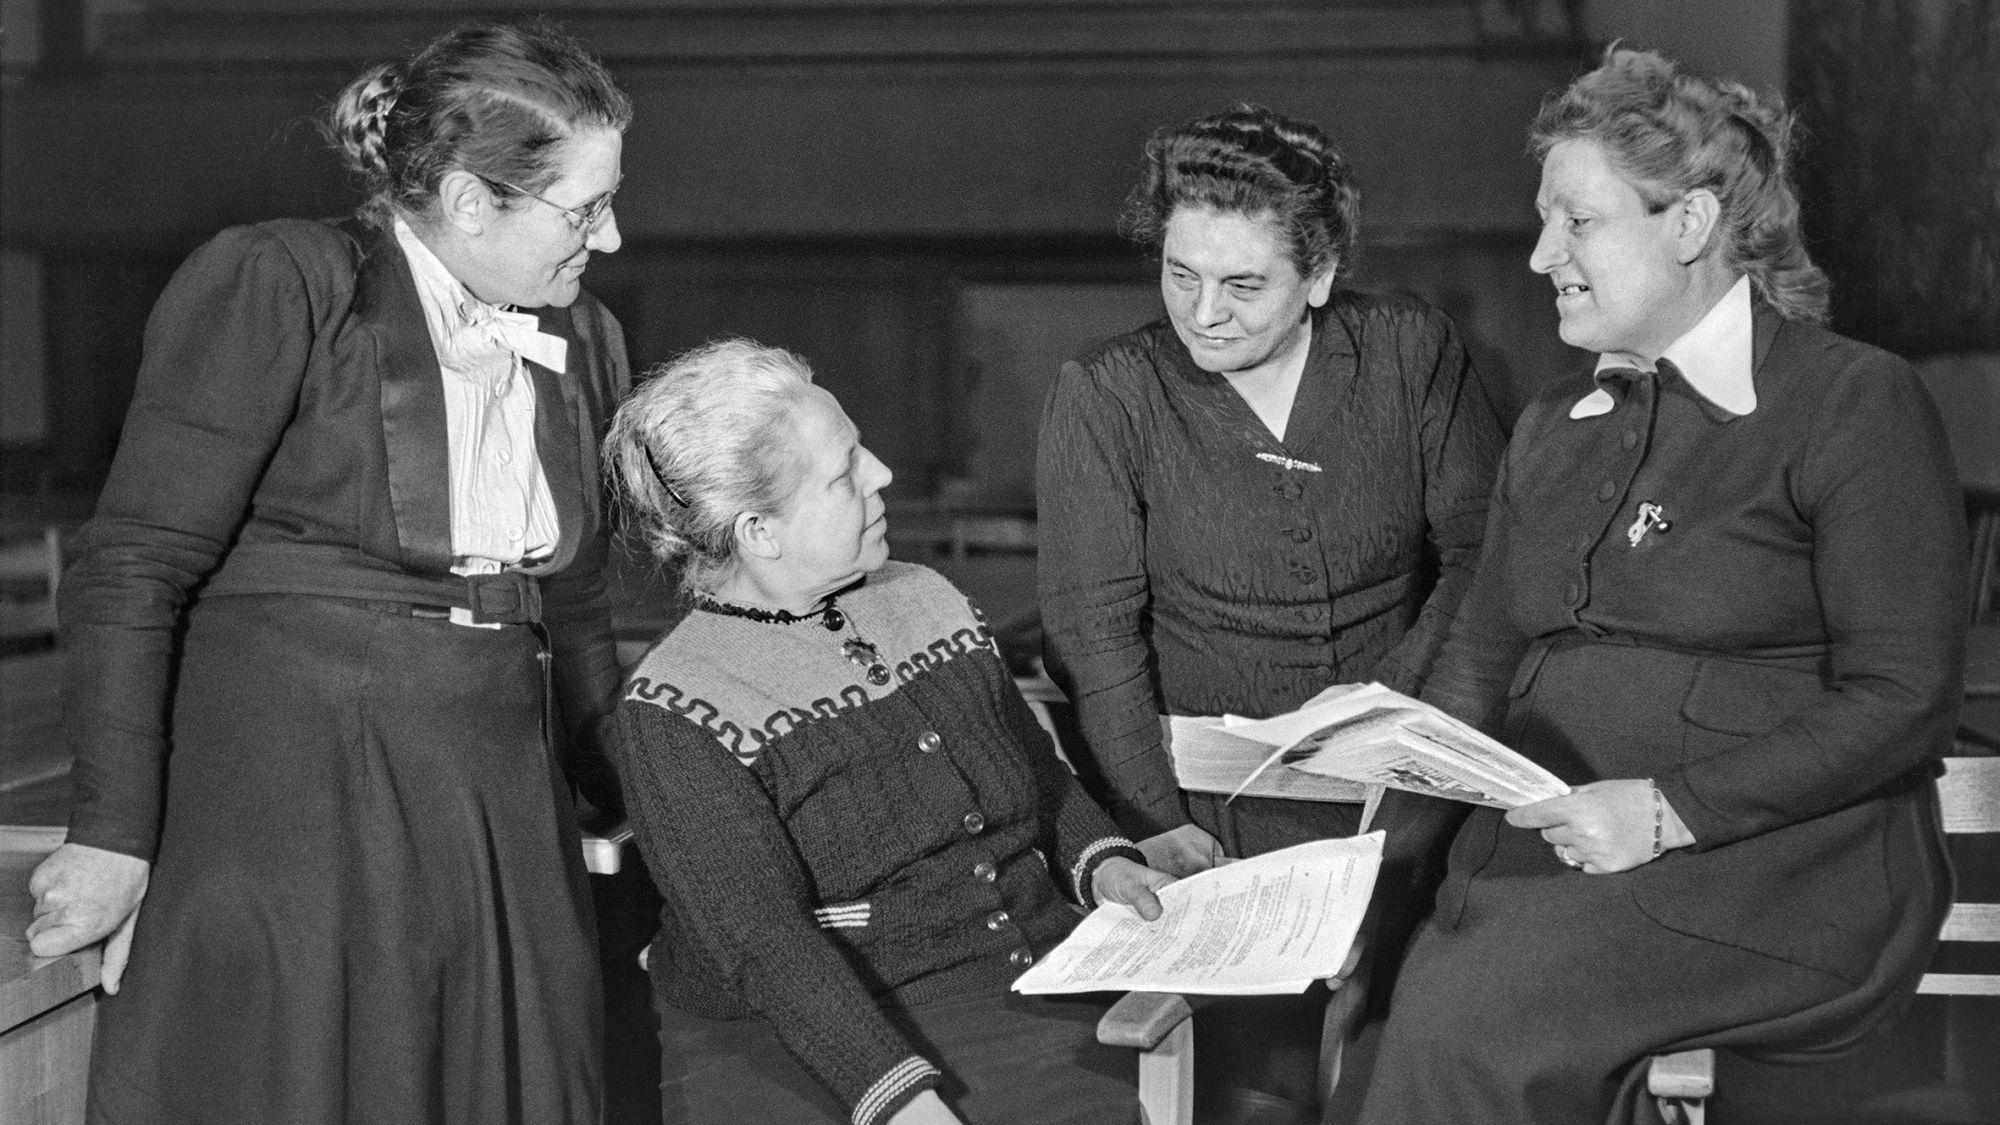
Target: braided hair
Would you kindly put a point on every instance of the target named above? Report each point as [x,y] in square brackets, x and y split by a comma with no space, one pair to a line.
[498,100]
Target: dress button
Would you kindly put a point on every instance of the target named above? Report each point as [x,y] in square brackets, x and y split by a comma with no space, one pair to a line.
[929,742]
[1323,671]
[1023,957]
[1607,490]
[984,872]
[1292,490]
[997,919]
[1299,534]
[1313,612]
[504,457]
[1630,440]
[974,823]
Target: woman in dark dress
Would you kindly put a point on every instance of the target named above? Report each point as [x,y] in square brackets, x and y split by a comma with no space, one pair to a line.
[1723,597]
[338,615]
[861,835]
[1278,487]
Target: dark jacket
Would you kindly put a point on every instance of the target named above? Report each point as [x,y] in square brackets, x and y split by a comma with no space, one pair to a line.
[1803,620]
[287,435]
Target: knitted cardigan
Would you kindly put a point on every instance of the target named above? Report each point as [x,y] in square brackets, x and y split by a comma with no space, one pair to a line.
[827,846]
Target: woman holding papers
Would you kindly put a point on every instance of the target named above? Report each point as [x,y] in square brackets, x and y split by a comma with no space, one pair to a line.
[1722,597]
[1278,487]
[861,833]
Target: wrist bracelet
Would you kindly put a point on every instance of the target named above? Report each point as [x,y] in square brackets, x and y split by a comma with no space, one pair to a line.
[1659,817]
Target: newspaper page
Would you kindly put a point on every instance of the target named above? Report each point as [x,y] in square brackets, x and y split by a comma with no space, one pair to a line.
[1380,736]
[1208,757]
[1271,924]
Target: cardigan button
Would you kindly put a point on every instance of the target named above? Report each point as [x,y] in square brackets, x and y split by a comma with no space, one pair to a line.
[1022,957]
[1607,490]
[1630,440]
[930,742]
[974,823]
[984,872]
[998,919]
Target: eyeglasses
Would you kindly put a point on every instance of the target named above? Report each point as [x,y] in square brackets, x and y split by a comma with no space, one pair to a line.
[583,220]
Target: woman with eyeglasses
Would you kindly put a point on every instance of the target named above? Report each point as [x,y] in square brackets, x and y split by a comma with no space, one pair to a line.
[339,627]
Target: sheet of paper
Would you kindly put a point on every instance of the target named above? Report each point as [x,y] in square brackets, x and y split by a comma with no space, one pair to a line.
[1209,758]
[1271,924]
[1379,736]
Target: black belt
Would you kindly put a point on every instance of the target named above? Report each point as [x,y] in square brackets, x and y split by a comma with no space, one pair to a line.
[510,597]
[506,598]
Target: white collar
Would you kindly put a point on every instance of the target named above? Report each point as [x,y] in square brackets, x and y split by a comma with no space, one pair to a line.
[1715,357]
[461,325]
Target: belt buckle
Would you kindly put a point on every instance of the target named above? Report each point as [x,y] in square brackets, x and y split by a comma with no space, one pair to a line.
[507,598]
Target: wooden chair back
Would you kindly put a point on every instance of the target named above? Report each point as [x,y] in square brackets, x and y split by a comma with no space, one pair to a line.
[1969,795]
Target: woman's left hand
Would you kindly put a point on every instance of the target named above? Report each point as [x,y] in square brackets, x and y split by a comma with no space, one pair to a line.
[1130,884]
[1605,826]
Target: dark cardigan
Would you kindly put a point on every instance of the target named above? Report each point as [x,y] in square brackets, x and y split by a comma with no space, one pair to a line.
[827,846]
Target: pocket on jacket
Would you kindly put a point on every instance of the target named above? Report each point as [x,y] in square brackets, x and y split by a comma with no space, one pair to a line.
[1729,701]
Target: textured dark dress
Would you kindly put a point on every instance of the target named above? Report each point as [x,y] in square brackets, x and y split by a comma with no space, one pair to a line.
[1193,564]
[1785,661]
[854,871]
[367,902]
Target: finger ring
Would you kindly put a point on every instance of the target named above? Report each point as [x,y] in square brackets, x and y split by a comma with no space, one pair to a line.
[1568,859]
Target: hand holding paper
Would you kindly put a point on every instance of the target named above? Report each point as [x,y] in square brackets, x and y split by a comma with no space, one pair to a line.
[1274,923]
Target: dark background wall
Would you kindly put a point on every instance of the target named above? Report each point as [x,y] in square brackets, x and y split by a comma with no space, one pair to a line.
[918,195]
[862,183]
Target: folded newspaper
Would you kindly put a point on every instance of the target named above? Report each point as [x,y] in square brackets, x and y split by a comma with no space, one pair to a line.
[1348,737]
[1271,924]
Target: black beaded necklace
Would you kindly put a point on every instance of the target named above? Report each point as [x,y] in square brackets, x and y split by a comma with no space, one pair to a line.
[855,648]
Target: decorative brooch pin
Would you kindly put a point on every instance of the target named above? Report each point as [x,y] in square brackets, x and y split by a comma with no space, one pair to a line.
[1652,517]
[1289,463]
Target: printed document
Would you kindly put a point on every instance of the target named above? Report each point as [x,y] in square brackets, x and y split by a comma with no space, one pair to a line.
[1271,924]
[1378,736]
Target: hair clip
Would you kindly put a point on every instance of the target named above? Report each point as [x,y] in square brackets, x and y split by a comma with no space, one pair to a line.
[672,492]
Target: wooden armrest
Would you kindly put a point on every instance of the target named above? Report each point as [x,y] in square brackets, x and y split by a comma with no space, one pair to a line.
[1688,1074]
[1141,1019]
[603,851]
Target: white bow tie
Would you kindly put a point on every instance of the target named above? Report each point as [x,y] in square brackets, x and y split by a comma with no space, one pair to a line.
[486,333]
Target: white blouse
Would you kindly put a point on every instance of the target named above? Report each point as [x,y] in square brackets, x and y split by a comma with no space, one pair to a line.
[501,510]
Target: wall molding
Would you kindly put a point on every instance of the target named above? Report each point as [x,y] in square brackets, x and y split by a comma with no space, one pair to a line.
[772,32]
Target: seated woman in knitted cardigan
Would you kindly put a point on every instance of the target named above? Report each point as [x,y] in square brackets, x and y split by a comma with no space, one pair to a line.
[861,833]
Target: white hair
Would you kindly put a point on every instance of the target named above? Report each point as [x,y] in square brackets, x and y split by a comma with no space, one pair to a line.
[705,437]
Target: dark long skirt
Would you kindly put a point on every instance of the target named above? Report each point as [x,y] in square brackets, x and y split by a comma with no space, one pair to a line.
[1007,1060]
[368,904]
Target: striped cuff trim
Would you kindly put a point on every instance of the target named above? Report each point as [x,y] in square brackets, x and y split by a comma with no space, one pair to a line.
[844,916]
[891,1086]
[1081,870]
